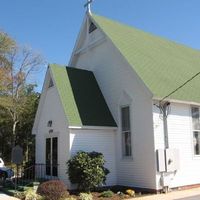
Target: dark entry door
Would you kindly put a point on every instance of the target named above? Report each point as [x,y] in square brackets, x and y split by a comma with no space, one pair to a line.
[55,156]
[52,156]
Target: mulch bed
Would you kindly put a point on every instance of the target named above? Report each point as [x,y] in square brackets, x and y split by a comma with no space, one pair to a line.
[97,194]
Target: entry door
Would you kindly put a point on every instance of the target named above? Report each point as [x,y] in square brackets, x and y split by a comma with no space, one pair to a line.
[52,156]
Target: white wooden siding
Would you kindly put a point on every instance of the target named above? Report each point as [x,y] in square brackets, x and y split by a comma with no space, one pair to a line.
[115,78]
[180,137]
[52,110]
[102,141]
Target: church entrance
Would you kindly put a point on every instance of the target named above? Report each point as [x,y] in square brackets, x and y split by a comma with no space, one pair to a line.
[52,156]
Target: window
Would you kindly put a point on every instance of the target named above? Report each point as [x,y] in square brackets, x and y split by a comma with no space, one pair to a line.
[126,131]
[49,124]
[92,27]
[196,130]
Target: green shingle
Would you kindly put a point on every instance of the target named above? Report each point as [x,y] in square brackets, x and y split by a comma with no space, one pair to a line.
[163,65]
[81,97]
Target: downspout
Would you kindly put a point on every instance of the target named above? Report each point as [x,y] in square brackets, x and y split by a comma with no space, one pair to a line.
[165,126]
[164,109]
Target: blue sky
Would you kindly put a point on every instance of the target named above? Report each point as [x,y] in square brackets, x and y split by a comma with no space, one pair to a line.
[51,26]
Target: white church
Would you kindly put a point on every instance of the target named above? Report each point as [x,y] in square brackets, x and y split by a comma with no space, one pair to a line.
[130,95]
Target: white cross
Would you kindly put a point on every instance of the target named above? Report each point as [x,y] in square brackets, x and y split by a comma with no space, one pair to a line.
[88,5]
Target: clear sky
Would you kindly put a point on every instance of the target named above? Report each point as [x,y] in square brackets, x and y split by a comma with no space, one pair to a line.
[51,26]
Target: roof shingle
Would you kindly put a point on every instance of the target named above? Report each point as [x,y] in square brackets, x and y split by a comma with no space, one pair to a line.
[163,65]
[81,97]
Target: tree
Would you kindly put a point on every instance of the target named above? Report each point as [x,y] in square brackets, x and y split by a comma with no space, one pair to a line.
[23,131]
[6,46]
[19,64]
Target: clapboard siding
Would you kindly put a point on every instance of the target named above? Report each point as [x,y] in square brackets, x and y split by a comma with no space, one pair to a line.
[180,137]
[120,86]
[52,110]
[100,141]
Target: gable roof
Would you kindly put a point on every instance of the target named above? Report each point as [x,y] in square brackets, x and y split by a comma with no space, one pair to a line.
[163,65]
[81,97]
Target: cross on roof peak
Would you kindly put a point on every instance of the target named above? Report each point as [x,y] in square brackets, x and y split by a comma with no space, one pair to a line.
[88,5]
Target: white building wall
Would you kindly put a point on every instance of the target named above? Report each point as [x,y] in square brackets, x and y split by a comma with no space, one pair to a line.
[180,137]
[102,141]
[120,85]
[52,110]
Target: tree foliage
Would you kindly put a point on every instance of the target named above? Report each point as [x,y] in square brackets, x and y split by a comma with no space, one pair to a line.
[23,131]
[18,66]
[6,46]
[87,170]
[18,100]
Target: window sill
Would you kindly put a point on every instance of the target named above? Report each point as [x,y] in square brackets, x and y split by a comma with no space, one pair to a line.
[196,157]
[127,158]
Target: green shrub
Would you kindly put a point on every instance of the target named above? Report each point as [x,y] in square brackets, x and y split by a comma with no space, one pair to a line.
[69,198]
[87,170]
[31,194]
[107,194]
[85,196]
[20,195]
[53,190]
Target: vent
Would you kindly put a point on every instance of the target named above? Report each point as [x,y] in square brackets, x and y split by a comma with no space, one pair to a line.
[92,27]
[50,83]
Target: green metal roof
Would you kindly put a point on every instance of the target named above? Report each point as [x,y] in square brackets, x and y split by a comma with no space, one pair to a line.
[81,97]
[163,65]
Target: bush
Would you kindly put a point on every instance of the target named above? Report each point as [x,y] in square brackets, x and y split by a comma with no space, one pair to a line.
[130,192]
[85,196]
[87,170]
[20,195]
[69,198]
[31,194]
[107,194]
[53,190]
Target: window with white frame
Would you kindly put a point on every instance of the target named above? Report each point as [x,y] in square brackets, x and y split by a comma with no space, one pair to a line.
[126,131]
[196,130]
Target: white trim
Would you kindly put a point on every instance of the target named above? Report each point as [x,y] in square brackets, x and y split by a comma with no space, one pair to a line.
[93,127]
[90,45]
[78,40]
[124,157]
[177,101]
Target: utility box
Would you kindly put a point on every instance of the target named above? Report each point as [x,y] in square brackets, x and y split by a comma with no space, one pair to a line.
[172,160]
[167,160]
[161,167]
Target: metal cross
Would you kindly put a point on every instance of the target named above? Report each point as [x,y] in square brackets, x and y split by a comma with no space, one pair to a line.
[88,5]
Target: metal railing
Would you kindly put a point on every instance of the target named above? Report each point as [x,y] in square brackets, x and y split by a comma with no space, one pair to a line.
[35,173]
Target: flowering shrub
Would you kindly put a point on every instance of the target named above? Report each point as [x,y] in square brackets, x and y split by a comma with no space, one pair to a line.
[20,195]
[31,194]
[85,196]
[53,190]
[130,192]
[28,195]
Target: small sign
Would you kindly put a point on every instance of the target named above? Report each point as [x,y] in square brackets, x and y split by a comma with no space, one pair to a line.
[17,155]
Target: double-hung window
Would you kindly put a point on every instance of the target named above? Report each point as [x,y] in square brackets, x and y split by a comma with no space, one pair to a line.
[196,130]
[126,131]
